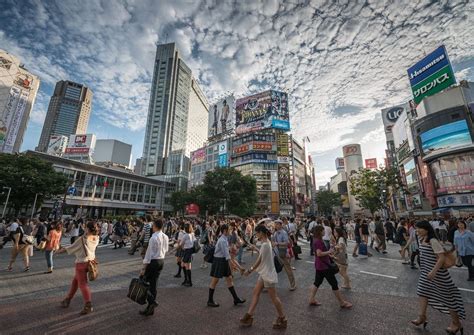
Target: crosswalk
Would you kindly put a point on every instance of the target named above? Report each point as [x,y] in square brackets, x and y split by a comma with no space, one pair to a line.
[66,242]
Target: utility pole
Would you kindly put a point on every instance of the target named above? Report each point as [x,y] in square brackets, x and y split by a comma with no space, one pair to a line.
[6,202]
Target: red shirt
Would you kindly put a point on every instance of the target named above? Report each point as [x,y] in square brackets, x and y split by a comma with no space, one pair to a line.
[54,240]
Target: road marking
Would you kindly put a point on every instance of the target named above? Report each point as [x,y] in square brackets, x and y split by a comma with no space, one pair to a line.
[465,289]
[378,274]
[391,259]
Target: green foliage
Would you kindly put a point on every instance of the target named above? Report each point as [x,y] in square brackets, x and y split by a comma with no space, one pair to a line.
[27,176]
[224,191]
[326,200]
[368,187]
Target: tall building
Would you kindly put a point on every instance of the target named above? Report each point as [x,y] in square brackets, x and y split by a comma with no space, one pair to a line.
[18,89]
[68,112]
[352,163]
[177,118]
[112,152]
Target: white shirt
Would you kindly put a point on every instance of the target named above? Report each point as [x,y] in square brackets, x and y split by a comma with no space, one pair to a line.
[435,224]
[103,229]
[266,268]
[327,233]
[157,247]
[188,241]
[312,224]
[372,226]
[13,227]
[291,228]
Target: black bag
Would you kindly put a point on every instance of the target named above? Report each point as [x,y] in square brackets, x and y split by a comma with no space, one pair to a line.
[138,291]
[196,247]
[332,267]
[209,254]
[277,261]
[297,250]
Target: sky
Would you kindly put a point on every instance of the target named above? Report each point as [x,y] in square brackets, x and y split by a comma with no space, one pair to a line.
[340,61]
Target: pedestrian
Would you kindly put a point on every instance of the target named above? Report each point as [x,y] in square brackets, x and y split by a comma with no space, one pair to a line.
[53,240]
[39,232]
[221,268]
[340,257]
[280,241]
[380,236]
[83,249]
[372,233]
[413,246]
[402,238]
[74,234]
[187,245]
[145,235]
[20,246]
[435,286]
[153,263]
[311,226]
[179,250]
[267,279]
[322,263]
[464,242]
[327,234]
[358,237]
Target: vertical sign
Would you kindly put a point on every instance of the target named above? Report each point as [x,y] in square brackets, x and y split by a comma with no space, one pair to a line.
[284,183]
[223,160]
[15,123]
[7,116]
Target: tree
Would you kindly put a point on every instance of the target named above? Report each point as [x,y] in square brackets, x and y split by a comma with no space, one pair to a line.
[326,200]
[370,187]
[27,176]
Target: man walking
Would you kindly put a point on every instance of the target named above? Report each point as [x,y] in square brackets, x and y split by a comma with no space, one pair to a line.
[280,241]
[153,263]
[311,226]
[380,234]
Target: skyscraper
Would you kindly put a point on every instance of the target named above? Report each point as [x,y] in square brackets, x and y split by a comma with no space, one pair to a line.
[177,118]
[68,112]
[18,89]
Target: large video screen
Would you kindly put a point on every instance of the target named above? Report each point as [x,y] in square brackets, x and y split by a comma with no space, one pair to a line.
[454,174]
[448,136]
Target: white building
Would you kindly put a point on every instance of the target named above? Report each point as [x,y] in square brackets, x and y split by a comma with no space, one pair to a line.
[112,151]
[18,88]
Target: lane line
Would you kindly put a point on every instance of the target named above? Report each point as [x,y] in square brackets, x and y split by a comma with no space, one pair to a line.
[378,274]
[465,289]
[391,259]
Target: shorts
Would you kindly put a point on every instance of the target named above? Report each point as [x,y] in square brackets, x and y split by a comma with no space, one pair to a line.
[358,239]
[330,277]
[266,284]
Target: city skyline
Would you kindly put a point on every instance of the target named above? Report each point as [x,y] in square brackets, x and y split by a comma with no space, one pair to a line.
[338,72]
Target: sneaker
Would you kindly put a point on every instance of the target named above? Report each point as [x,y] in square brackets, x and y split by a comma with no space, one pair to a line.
[280,323]
[246,320]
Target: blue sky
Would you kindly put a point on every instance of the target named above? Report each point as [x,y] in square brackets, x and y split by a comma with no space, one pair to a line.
[341,63]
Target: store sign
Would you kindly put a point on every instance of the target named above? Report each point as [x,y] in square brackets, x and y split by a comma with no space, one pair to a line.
[282,145]
[371,163]
[284,183]
[403,152]
[391,115]
[223,160]
[431,75]
[284,160]
[339,163]
[81,144]
[192,209]
[262,146]
[222,147]
[274,181]
[351,149]
[456,200]
[241,149]
[15,123]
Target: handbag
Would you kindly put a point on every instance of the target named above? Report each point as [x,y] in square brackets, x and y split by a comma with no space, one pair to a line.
[138,291]
[209,254]
[92,265]
[459,262]
[196,246]
[41,245]
[277,261]
[297,250]
[332,267]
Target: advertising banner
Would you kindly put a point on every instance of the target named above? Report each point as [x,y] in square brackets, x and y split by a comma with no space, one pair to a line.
[198,156]
[223,160]
[57,145]
[284,183]
[81,144]
[15,123]
[339,163]
[391,115]
[241,149]
[371,163]
[454,173]
[351,149]
[445,137]
[456,200]
[192,209]
[222,148]
[261,111]
[222,117]
[282,145]
[262,146]
[8,113]
[431,75]
[274,181]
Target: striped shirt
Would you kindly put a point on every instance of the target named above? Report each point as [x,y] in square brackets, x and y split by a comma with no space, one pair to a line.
[146,232]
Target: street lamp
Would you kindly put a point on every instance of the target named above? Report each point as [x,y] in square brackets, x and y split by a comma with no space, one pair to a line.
[6,202]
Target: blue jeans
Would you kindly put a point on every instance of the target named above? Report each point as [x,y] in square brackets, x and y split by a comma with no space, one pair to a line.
[239,254]
[49,257]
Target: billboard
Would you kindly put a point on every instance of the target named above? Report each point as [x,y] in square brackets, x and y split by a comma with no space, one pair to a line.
[454,173]
[431,75]
[264,110]
[282,145]
[371,163]
[284,184]
[391,115]
[445,137]
[198,156]
[57,145]
[223,156]
[351,149]
[221,117]
[456,200]
[262,146]
[81,144]
[339,163]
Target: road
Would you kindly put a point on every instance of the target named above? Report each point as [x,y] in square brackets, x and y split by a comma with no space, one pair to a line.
[383,294]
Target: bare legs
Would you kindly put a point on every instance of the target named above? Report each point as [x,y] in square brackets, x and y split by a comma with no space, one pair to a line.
[273,296]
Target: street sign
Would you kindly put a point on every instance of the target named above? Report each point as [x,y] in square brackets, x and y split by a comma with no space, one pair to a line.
[71,190]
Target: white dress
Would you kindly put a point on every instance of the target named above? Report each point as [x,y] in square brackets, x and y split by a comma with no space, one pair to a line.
[266,269]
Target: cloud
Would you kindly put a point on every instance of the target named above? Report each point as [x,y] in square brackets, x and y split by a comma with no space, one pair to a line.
[330,56]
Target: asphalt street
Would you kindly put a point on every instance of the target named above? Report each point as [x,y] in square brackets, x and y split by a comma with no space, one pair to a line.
[383,294]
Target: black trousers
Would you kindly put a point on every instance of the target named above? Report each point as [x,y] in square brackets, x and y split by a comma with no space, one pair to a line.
[152,273]
[467,261]
[330,277]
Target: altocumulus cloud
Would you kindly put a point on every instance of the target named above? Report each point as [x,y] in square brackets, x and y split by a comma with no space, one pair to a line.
[330,56]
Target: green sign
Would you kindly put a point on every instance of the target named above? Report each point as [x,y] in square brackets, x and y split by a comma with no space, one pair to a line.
[435,83]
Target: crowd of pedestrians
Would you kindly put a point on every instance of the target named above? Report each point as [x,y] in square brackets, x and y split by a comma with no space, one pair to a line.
[423,244]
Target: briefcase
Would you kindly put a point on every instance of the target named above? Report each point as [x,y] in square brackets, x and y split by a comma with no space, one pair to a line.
[138,291]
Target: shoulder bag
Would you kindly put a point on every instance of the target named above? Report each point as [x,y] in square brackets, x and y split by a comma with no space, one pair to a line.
[92,265]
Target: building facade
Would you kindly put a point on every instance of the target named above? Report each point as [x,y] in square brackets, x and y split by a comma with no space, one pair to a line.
[68,112]
[96,191]
[112,152]
[18,89]
[177,118]
[352,163]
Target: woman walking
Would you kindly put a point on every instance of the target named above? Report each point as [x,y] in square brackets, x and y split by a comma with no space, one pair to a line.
[435,286]
[340,257]
[20,246]
[179,250]
[267,279]
[221,268]
[187,245]
[322,262]
[84,250]
[52,244]
[464,242]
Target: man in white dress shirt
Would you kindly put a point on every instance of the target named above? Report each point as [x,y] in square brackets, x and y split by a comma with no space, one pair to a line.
[153,263]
